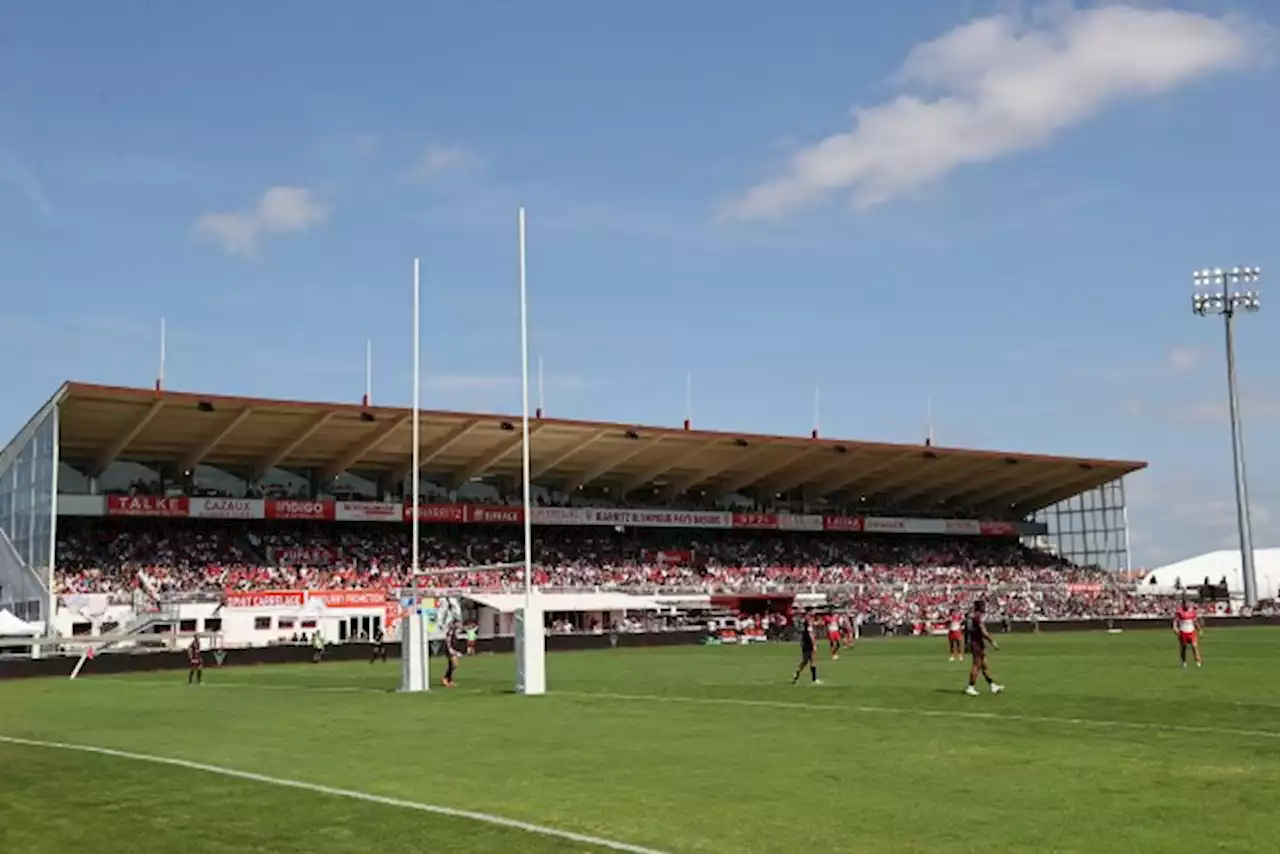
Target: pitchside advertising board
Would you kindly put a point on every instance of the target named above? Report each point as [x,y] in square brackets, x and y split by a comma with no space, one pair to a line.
[300,510]
[441,611]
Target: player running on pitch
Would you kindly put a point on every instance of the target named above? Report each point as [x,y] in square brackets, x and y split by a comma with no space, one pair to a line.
[833,636]
[808,651]
[1186,624]
[955,634]
[979,638]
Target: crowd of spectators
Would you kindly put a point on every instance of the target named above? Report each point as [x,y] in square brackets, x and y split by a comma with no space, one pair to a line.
[890,578]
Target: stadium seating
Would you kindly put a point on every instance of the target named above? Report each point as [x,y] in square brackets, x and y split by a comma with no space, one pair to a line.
[891,579]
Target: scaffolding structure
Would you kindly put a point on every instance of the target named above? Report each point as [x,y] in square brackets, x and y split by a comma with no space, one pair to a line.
[1089,529]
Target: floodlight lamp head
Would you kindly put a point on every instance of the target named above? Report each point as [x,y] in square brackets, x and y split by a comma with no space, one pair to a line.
[1205,278]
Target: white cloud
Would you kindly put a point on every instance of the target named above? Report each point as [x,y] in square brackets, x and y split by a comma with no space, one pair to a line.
[1182,360]
[280,210]
[1000,85]
[1179,514]
[437,160]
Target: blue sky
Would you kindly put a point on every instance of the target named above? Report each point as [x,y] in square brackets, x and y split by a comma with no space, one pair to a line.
[992,205]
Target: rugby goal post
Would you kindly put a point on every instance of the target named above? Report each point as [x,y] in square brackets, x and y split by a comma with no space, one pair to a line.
[427,613]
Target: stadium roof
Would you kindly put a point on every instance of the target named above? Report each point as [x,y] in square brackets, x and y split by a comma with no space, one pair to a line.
[101,424]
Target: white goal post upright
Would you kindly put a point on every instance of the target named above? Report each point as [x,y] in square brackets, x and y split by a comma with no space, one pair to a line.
[531,640]
[415,673]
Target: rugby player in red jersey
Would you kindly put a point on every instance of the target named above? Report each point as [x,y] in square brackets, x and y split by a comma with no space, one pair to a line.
[833,636]
[195,663]
[955,634]
[1186,625]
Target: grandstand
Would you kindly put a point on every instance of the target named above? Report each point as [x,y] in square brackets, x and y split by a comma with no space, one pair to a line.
[111,494]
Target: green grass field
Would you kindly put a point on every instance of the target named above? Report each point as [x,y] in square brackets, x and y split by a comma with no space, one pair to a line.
[1100,744]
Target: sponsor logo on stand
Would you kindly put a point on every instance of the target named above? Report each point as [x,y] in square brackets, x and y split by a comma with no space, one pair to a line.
[497,515]
[265,598]
[287,508]
[147,505]
[484,514]
[885,525]
[662,518]
[449,514]
[226,508]
[368,511]
[808,522]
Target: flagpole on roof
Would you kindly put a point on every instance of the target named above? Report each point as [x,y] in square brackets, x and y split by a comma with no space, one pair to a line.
[164,345]
[928,415]
[541,399]
[368,372]
[817,411]
[688,401]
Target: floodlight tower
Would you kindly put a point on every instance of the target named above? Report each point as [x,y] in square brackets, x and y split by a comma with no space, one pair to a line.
[1225,292]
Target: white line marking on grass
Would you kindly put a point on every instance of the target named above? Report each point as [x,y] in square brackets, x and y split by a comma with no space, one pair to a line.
[932,713]
[338,689]
[484,818]
[331,689]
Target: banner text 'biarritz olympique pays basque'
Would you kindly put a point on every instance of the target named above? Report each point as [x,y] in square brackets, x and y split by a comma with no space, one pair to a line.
[317,510]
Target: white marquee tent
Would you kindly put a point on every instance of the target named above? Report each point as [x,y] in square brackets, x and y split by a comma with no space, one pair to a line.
[1215,566]
[11,626]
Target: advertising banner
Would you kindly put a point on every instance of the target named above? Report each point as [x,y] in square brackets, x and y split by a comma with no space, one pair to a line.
[147,505]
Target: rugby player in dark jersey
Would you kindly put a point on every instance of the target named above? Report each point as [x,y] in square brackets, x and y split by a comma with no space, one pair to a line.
[195,663]
[451,650]
[978,638]
[379,646]
[808,653]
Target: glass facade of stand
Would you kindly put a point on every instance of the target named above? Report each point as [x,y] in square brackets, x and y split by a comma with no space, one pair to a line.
[28,514]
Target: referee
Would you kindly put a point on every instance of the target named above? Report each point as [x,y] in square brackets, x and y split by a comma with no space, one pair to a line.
[807,652]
